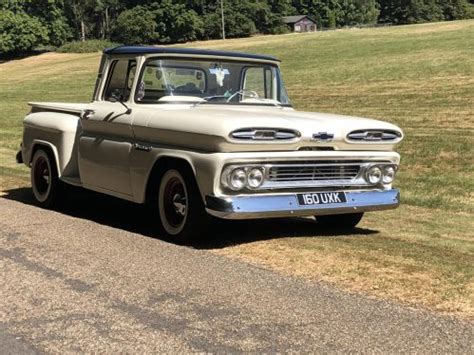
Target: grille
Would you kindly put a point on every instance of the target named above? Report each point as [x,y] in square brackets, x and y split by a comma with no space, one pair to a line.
[314,172]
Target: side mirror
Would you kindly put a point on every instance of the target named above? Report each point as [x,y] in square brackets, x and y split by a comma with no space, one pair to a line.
[115,96]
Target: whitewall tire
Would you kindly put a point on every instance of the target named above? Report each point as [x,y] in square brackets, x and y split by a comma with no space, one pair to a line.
[44,178]
[173,202]
[180,206]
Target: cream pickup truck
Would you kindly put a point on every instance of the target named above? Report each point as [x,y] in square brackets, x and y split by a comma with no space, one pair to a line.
[199,133]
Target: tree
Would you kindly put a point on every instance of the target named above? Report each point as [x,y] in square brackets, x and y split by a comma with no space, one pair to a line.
[409,11]
[455,9]
[424,11]
[76,12]
[175,22]
[20,32]
[101,15]
[135,26]
[28,23]
[188,27]
[51,14]
[239,25]
[357,12]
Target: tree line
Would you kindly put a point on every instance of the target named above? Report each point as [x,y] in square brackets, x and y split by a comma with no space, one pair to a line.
[27,24]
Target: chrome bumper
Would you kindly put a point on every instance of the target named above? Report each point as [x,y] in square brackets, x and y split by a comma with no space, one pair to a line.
[286,205]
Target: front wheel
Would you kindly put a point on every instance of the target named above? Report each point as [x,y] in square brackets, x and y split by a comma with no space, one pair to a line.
[340,221]
[180,206]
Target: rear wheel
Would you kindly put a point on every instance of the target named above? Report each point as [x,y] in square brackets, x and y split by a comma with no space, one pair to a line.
[181,209]
[44,178]
[340,221]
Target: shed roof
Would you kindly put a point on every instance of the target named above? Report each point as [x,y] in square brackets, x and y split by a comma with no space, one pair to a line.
[190,51]
[296,18]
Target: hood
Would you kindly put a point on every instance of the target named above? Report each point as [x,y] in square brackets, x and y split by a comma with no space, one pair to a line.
[211,127]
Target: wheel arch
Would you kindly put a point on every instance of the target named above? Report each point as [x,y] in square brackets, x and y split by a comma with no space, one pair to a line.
[38,144]
[161,164]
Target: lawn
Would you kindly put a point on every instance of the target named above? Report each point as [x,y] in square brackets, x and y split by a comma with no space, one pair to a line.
[419,77]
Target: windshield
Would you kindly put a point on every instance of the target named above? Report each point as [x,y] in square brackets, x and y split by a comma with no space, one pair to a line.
[216,82]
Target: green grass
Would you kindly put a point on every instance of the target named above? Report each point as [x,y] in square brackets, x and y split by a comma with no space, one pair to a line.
[419,77]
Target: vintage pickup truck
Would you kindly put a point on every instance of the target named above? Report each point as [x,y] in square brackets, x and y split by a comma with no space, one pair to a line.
[197,133]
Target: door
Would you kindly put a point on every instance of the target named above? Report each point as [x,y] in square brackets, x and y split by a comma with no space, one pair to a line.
[106,140]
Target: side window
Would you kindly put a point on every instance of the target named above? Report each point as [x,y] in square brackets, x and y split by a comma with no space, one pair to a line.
[120,80]
[259,80]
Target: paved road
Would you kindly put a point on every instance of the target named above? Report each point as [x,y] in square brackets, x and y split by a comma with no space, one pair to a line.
[73,281]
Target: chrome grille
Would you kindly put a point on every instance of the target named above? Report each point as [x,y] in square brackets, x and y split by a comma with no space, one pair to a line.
[316,172]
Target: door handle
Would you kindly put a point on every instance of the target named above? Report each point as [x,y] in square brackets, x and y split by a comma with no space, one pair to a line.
[86,114]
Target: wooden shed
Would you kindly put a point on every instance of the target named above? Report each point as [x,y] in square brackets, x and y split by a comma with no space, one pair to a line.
[300,23]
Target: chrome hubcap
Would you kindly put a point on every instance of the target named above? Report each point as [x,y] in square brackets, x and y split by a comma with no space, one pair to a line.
[179,203]
[175,202]
[46,176]
[41,175]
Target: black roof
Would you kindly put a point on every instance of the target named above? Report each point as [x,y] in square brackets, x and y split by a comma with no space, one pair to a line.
[191,51]
[294,19]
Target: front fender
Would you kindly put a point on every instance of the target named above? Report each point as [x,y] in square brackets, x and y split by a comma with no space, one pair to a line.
[143,162]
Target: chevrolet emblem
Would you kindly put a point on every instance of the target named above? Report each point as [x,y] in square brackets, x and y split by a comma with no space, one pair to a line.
[323,136]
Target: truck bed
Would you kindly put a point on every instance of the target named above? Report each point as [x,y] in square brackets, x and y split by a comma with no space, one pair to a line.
[58,106]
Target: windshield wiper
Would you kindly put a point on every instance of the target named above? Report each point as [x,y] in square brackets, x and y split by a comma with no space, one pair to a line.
[210,98]
[248,93]
[254,96]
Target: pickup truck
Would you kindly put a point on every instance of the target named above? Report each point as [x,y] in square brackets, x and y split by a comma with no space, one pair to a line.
[199,133]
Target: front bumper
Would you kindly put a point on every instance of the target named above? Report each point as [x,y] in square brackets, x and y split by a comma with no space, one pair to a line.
[286,205]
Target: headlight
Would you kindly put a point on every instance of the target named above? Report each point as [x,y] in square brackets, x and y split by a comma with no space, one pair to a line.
[388,174]
[374,175]
[237,179]
[243,177]
[255,178]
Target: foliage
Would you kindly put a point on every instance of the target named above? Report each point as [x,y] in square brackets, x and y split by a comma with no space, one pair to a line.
[89,46]
[53,22]
[20,32]
[52,16]
[356,12]
[136,25]
[416,11]
[455,9]
[176,23]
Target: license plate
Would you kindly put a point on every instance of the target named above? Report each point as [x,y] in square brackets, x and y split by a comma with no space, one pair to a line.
[321,198]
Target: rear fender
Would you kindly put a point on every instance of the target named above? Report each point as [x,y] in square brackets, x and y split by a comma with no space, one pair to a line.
[59,132]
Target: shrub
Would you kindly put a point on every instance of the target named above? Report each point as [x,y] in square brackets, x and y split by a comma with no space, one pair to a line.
[20,32]
[89,46]
[135,26]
